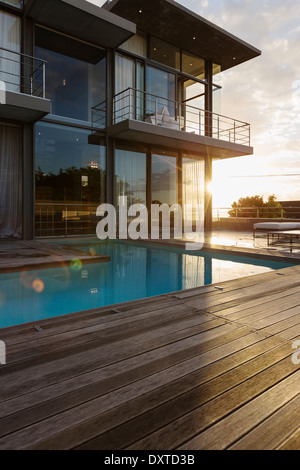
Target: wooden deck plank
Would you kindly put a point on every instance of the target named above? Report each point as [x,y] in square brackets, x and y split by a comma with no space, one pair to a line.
[224,433]
[58,424]
[212,363]
[205,416]
[167,348]
[273,431]
[292,442]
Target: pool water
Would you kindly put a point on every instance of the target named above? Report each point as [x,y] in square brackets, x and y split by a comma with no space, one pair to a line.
[136,271]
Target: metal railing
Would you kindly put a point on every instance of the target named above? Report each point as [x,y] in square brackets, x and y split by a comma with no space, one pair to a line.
[22,73]
[146,107]
[285,212]
[63,219]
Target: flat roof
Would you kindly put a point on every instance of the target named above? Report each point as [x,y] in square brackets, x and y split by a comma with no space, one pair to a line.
[82,19]
[168,20]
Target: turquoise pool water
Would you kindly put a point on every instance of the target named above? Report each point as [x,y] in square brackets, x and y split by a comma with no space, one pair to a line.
[136,271]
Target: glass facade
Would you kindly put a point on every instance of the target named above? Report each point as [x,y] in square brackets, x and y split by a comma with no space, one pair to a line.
[193,187]
[130,176]
[164,53]
[164,179]
[10,39]
[73,86]
[162,86]
[11,193]
[70,180]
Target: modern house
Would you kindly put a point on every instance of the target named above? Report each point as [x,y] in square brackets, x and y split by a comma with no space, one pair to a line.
[102,102]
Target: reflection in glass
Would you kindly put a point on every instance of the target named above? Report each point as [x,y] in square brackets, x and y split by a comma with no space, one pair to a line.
[130,176]
[15,3]
[165,53]
[72,85]
[10,182]
[10,38]
[193,65]
[162,85]
[164,180]
[70,180]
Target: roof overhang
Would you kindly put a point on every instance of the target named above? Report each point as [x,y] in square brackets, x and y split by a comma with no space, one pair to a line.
[23,108]
[149,134]
[183,28]
[83,20]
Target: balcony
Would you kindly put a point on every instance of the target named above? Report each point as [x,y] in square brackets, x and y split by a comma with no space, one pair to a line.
[142,117]
[22,87]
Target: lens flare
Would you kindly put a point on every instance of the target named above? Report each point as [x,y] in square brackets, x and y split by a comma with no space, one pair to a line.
[38,285]
[76,265]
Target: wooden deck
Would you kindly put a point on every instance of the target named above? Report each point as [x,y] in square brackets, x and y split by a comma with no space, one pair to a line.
[31,255]
[209,368]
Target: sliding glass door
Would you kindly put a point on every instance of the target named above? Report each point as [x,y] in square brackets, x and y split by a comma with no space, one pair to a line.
[10,182]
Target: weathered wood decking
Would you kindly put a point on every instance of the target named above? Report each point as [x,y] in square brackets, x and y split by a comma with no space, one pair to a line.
[209,368]
[31,255]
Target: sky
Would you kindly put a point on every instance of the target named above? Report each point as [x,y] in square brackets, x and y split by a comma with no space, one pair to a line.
[265,92]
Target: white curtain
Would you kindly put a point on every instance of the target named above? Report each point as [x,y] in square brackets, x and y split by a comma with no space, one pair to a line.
[10,38]
[193,188]
[124,78]
[10,182]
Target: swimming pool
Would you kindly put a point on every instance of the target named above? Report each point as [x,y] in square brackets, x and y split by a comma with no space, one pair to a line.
[136,271]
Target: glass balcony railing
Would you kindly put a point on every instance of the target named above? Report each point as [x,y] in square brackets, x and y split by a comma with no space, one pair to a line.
[21,73]
[146,107]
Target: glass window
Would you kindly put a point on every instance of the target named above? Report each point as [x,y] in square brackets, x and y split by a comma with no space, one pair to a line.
[10,38]
[163,85]
[14,3]
[164,179]
[192,186]
[136,45]
[130,176]
[193,65]
[10,182]
[73,86]
[70,180]
[164,53]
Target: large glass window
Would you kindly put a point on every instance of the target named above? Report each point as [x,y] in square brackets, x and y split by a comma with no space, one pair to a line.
[73,86]
[10,182]
[165,53]
[130,176]
[70,180]
[193,65]
[161,86]
[193,187]
[164,179]
[10,39]
[14,3]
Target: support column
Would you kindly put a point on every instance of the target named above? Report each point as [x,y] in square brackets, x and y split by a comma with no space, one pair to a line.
[28,183]
[110,147]
[208,98]
[149,187]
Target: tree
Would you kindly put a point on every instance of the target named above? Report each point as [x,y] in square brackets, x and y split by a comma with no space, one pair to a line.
[254,206]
